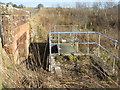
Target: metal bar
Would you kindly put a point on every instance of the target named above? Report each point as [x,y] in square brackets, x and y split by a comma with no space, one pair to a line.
[114,59]
[98,45]
[69,32]
[74,43]
[63,25]
[88,50]
[50,52]
[50,43]
[58,43]
[107,37]
[85,32]
[109,52]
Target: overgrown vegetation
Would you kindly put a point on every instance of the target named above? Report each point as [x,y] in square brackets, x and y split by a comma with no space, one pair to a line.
[85,69]
[78,71]
[100,17]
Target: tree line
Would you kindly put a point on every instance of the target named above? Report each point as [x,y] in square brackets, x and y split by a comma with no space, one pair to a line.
[22,6]
[98,16]
[14,5]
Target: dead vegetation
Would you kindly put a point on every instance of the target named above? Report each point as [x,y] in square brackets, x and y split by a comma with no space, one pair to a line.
[100,17]
[80,73]
[77,72]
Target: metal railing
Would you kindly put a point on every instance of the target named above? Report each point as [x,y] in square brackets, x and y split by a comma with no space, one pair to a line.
[98,43]
[72,28]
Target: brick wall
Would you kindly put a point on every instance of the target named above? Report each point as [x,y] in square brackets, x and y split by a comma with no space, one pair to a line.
[15,32]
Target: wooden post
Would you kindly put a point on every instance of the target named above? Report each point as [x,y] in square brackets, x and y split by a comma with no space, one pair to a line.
[0,60]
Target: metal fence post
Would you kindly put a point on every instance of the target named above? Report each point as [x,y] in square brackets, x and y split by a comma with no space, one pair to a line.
[114,58]
[98,45]
[50,43]
[50,51]
[88,50]
[58,43]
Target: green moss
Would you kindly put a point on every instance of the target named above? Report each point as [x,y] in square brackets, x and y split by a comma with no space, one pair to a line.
[71,58]
[84,70]
[4,87]
[59,58]
[64,60]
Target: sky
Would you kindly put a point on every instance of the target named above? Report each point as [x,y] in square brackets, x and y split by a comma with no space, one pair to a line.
[52,3]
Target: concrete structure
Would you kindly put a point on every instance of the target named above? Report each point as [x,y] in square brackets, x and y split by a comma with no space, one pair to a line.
[15,32]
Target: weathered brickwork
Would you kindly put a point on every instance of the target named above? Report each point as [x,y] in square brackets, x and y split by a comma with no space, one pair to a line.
[15,32]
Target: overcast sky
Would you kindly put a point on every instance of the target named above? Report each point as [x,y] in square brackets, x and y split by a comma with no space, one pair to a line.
[51,3]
